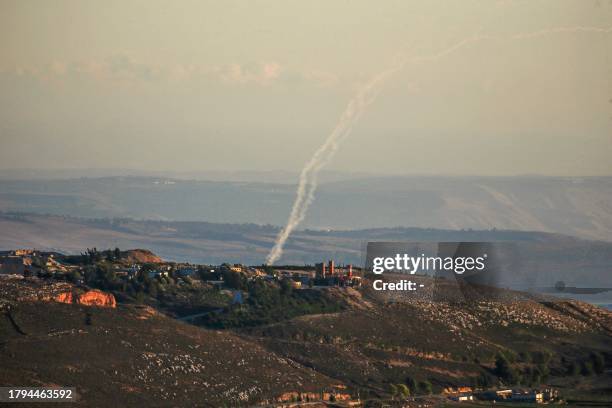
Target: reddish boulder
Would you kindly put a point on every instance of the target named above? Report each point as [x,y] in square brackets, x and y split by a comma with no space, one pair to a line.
[64,297]
[93,297]
[96,298]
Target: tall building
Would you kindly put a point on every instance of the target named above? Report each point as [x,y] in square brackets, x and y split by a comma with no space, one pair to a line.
[321,270]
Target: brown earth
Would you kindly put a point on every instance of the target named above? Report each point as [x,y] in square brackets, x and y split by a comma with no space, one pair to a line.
[140,256]
[387,337]
[132,355]
[115,357]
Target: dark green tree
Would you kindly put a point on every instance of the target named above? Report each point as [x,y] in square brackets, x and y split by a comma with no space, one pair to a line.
[285,287]
[425,387]
[412,384]
[504,370]
[573,369]
[233,279]
[393,390]
[587,368]
[598,363]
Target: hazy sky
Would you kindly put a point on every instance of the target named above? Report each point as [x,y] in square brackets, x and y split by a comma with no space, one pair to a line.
[190,86]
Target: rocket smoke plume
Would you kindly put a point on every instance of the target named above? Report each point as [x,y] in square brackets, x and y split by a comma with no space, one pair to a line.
[309,175]
[365,95]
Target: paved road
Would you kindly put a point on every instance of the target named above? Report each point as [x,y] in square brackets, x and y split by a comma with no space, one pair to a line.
[196,315]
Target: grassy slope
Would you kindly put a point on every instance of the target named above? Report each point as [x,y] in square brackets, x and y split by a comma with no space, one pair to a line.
[447,343]
[133,356]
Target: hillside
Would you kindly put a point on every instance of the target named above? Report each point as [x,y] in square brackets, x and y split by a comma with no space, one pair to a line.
[386,339]
[133,355]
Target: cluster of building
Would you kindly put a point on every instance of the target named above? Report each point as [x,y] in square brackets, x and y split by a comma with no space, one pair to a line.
[459,394]
[160,271]
[29,262]
[538,396]
[32,262]
[324,274]
[535,396]
[328,274]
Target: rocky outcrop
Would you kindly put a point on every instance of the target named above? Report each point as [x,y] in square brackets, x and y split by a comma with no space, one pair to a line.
[18,289]
[90,298]
[141,256]
[97,298]
[64,297]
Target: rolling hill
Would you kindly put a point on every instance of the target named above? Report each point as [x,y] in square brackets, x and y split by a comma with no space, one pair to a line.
[134,355]
[572,206]
[545,258]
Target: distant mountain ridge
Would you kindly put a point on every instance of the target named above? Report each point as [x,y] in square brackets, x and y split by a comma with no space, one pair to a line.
[580,207]
[554,257]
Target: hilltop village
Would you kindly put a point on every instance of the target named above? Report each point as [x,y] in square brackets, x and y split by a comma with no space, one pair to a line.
[125,266]
[191,292]
[357,343]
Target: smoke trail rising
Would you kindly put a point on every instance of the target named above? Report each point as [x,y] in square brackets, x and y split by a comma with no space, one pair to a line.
[366,95]
[309,176]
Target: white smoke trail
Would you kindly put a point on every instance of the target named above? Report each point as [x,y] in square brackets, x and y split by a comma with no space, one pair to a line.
[366,94]
[309,175]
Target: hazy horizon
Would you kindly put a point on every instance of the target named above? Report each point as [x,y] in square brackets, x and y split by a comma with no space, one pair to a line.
[281,176]
[244,86]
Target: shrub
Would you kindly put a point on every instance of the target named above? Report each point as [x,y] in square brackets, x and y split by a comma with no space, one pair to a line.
[403,390]
[140,297]
[74,276]
[533,376]
[152,289]
[524,357]
[573,369]
[540,357]
[587,368]
[233,279]
[598,362]
[484,380]
[504,370]
[411,383]
[392,390]
[425,387]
